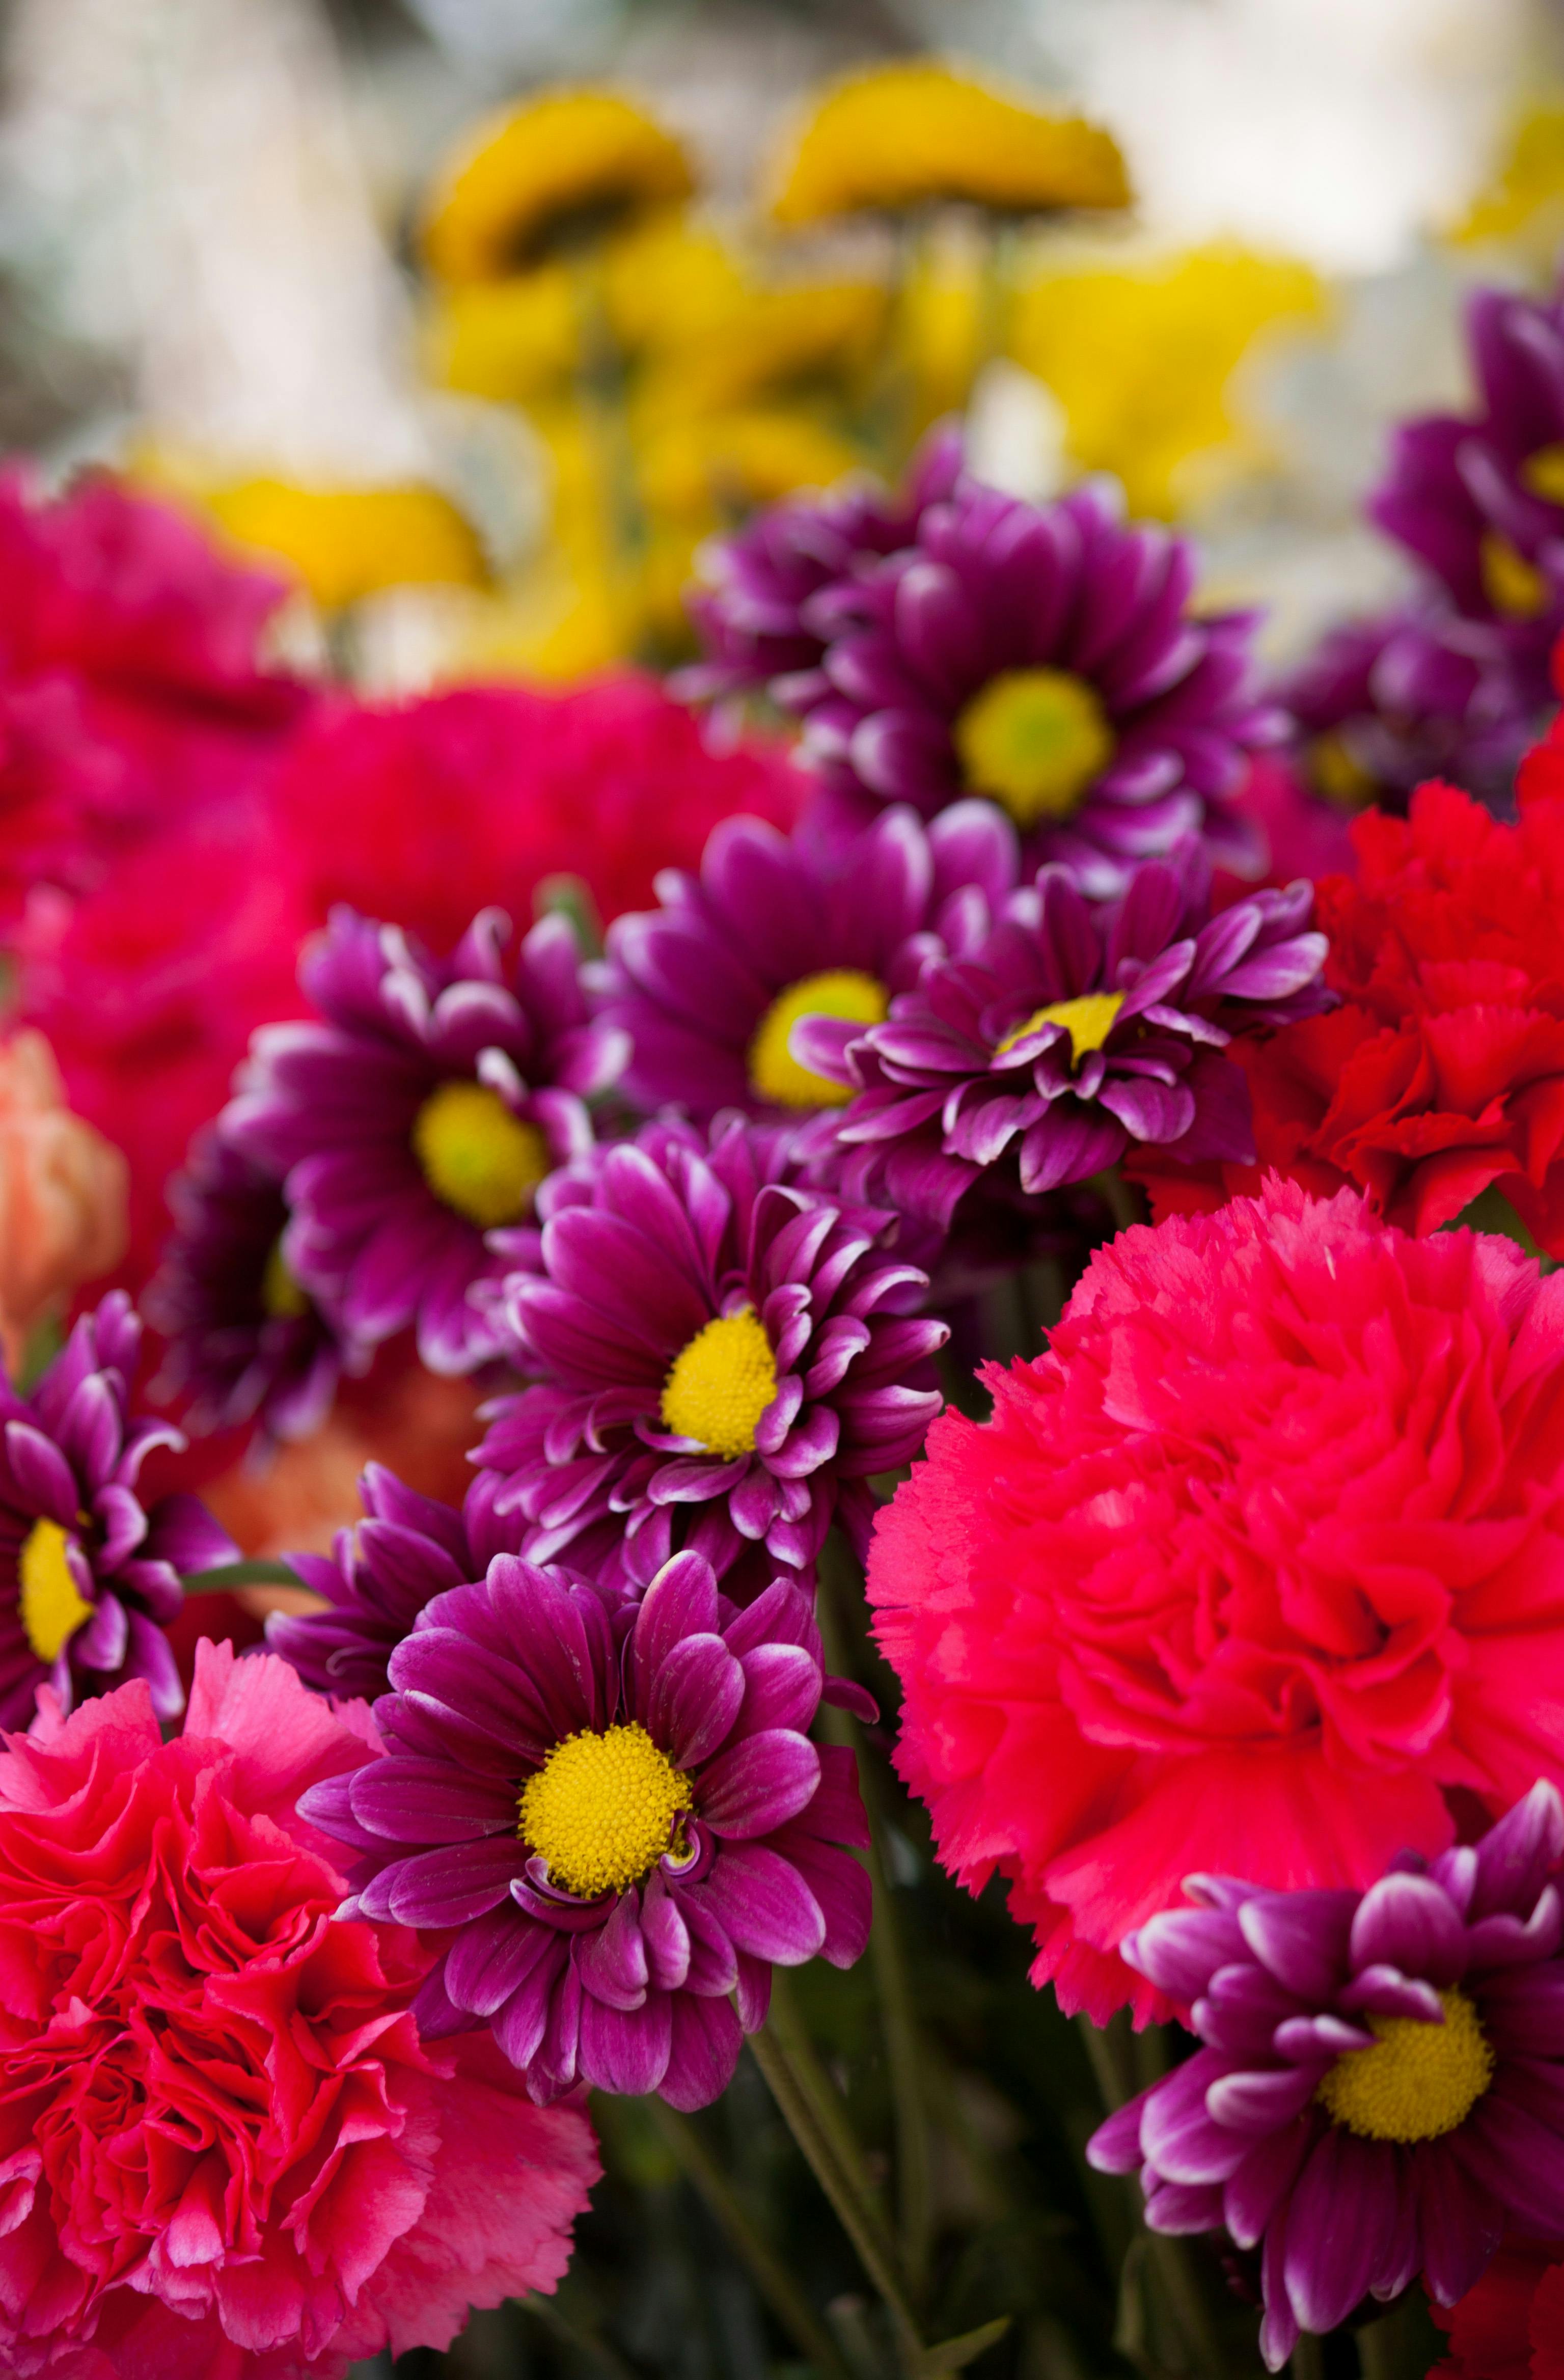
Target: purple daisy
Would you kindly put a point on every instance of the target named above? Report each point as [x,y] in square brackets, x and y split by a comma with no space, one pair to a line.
[709,988]
[1382,2082]
[245,1342]
[380,1575]
[1075,1031]
[754,614]
[617,1819]
[422,1113]
[93,1574]
[721,1356]
[1045,657]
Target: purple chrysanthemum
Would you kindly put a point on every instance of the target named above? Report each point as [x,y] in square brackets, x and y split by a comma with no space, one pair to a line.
[754,614]
[618,1818]
[93,1574]
[1382,2082]
[406,1550]
[245,1342]
[722,1356]
[709,988]
[1044,656]
[422,1113]
[1074,1032]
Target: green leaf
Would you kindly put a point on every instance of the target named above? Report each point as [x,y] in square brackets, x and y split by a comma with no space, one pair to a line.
[227,1575]
[955,2354]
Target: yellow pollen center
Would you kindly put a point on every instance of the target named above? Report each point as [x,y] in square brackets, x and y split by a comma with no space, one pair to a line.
[602,1809]
[1088,1021]
[481,1160]
[1034,739]
[774,1072]
[1512,584]
[52,1609]
[720,1384]
[1418,2081]
[1543,473]
[280,1297]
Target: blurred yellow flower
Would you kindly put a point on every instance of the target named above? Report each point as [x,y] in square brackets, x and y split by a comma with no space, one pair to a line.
[668,282]
[790,341]
[1526,195]
[916,133]
[721,467]
[509,341]
[345,543]
[946,324]
[564,167]
[1142,357]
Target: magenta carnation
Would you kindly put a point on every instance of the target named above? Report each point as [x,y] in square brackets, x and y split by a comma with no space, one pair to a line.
[678,1832]
[224,2145]
[721,1356]
[1260,1560]
[1381,2088]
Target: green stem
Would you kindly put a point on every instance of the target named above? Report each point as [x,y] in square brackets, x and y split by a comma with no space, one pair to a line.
[787,2028]
[1307,2358]
[1109,2049]
[592,2350]
[227,1575]
[765,2268]
[855,2216]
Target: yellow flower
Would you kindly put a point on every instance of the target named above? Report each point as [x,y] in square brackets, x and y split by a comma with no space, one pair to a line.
[510,341]
[1525,199]
[344,543]
[788,341]
[723,465]
[913,134]
[1142,357]
[945,325]
[563,167]
[667,283]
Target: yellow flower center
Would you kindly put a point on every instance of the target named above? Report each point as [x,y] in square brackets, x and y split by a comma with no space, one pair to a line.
[280,1296]
[1088,1021]
[602,1809]
[1418,2081]
[1338,776]
[481,1160]
[1512,584]
[52,1609]
[1543,474]
[720,1384]
[774,1072]
[1034,739]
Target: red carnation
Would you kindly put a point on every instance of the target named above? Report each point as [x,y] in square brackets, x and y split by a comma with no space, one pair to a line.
[1263,1556]
[1512,2325]
[1442,1074]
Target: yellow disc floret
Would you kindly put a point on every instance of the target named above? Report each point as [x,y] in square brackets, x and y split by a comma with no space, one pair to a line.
[281,1299]
[1034,739]
[774,1072]
[1512,584]
[602,1809]
[1088,1021]
[1418,2081]
[53,1609]
[720,1384]
[1543,474]
[481,1160]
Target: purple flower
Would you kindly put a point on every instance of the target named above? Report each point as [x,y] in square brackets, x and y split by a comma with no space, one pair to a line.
[722,1356]
[617,1817]
[93,1574]
[1382,2081]
[246,1343]
[422,1113]
[1072,1033]
[1046,657]
[755,613]
[709,988]
[380,1575]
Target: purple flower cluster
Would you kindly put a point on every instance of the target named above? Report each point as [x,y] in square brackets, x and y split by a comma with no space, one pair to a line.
[616,1816]
[1380,2087]
[91,1574]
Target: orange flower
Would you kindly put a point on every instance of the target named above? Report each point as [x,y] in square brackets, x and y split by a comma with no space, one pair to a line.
[63,1190]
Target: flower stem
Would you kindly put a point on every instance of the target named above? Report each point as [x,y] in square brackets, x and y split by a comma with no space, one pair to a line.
[825,2105]
[765,2268]
[1307,2358]
[259,1572]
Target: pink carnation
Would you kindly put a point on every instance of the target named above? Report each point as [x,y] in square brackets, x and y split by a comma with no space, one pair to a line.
[1257,1566]
[224,2147]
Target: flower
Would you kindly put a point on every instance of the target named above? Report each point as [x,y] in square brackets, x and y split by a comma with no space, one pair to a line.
[1510,2325]
[713,1347]
[226,2145]
[62,1193]
[561,167]
[422,1113]
[345,543]
[91,1570]
[1065,1037]
[1043,656]
[753,609]
[914,134]
[1382,2080]
[407,1550]
[246,1343]
[611,1837]
[709,988]
[1259,1559]
[1441,1074]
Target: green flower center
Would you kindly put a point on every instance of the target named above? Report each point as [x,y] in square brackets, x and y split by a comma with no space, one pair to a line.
[1418,2081]
[477,1157]
[774,1072]
[720,1384]
[602,1809]
[1034,740]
